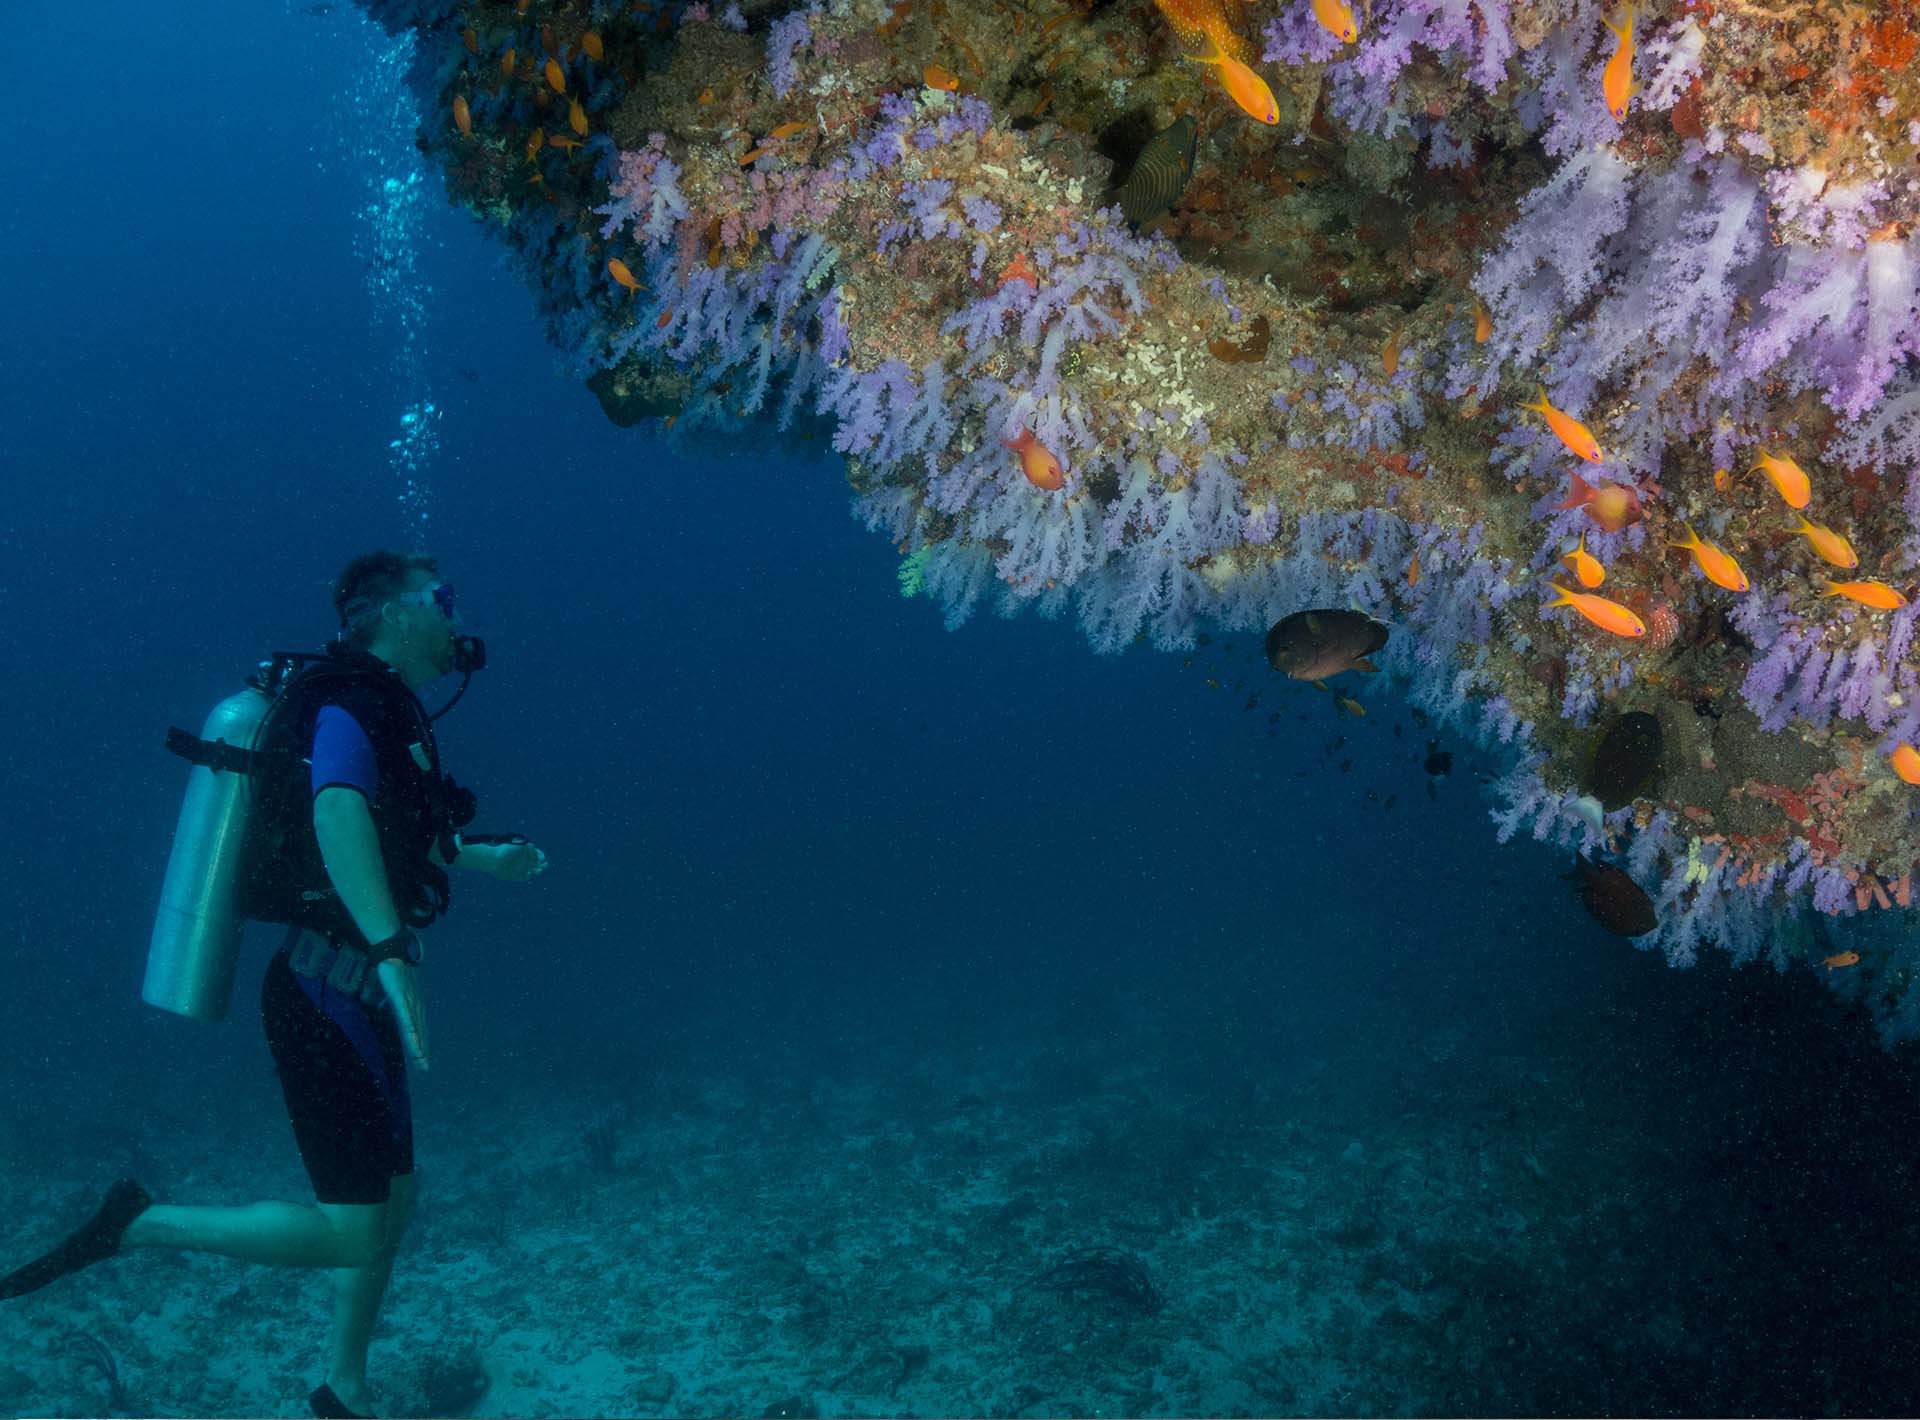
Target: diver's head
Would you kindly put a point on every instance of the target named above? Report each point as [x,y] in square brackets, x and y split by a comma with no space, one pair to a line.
[394,606]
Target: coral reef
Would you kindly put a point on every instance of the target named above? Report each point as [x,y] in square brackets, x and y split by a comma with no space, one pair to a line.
[1485,250]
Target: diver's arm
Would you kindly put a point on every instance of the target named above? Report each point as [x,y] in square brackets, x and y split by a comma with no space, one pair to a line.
[350,847]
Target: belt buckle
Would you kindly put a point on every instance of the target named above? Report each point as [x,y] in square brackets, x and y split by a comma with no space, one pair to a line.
[349,971]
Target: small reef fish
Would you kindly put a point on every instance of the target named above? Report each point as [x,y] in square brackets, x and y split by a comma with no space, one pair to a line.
[1037,462]
[1789,480]
[1347,705]
[1160,174]
[1243,86]
[1482,323]
[1715,564]
[1828,545]
[535,142]
[1413,571]
[1614,900]
[1906,762]
[1616,81]
[1390,352]
[470,39]
[577,118]
[1336,18]
[1196,20]
[590,42]
[1312,645]
[1840,959]
[938,76]
[1604,613]
[787,130]
[1611,505]
[619,271]
[462,116]
[1869,593]
[556,76]
[1585,566]
[1567,429]
[506,63]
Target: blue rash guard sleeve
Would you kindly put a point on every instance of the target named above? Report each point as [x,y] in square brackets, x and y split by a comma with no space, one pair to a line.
[342,754]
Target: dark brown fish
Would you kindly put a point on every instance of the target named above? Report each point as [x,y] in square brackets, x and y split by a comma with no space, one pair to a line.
[1615,900]
[1160,173]
[1626,761]
[1312,645]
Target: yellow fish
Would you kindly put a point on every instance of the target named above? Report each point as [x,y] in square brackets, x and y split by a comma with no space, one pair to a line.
[596,51]
[1349,706]
[938,76]
[1828,545]
[1906,762]
[619,271]
[506,63]
[462,116]
[1714,564]
[577,118]
[1243,86]
[1569,430]
[1585,566]
[1789,480]
[1616,81]
[1603,613]
[1482,323]
[1336,17]
[556,76]
[1877,595]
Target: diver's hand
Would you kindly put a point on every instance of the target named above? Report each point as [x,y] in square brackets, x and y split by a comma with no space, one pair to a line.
[509,862]
[402,982]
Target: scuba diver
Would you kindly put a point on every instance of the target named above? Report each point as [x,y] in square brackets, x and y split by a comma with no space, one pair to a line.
[317,800]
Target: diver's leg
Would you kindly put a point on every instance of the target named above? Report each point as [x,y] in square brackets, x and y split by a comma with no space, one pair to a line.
[357,1294]
[275,1233]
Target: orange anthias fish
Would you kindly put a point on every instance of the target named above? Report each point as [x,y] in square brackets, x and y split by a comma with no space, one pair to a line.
[506,63]
[1567,429]
[1612,505]
[1196,21]
[1840,959]
[1482,323]
[1877,595]
[462,116]
[787,130]
[1789,480]
[621,272]
[556,76]
[1616,81]
[1037,462]
[1828,545]
[1585,566]
[535,142]
[1606,614]
[1906,762]
[1714,563]
[938,76]
[1390,352]
[590,42]
[1243,86]
[1413,571]
[577,118]
[1336,17]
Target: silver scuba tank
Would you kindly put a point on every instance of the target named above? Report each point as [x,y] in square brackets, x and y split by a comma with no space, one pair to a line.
[196,935]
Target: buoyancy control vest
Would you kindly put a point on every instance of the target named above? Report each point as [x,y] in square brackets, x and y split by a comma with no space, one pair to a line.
[245,847]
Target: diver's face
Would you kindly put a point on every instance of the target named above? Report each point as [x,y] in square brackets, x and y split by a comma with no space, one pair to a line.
[425,620]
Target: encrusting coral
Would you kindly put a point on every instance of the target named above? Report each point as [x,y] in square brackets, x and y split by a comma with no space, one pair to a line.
[1506,282]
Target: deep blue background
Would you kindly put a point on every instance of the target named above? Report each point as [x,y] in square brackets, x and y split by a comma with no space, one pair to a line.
[782,803]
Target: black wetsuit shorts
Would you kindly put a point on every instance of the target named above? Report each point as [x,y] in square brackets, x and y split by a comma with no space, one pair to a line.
[344,1075]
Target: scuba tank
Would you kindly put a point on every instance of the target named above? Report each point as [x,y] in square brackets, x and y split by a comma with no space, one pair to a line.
[196,935]
[195,945]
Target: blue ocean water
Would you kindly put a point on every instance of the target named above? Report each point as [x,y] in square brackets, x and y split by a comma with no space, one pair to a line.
[880,968]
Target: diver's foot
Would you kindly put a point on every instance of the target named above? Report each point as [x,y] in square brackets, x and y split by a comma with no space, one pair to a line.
[98,1239]
[328,1404]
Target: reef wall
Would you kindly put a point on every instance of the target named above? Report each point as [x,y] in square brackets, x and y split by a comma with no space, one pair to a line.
[1505,295]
